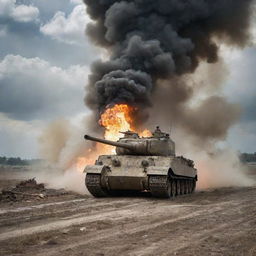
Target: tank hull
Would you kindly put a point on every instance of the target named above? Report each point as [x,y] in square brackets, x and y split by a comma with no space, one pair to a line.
[155,174]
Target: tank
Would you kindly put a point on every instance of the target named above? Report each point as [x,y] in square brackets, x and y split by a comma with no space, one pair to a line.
[143,165]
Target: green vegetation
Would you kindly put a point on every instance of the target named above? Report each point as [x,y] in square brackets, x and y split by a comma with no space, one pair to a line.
[246,157]
[17,161]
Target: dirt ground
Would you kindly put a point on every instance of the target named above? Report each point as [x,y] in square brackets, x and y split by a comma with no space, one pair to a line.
[214,222]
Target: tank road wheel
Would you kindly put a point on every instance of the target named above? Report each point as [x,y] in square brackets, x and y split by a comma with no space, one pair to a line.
[93,184]
[169,188]
[160,186]
[189,187]
[178,187]
[174,187]
[185,187]
[182,187]
[193,185]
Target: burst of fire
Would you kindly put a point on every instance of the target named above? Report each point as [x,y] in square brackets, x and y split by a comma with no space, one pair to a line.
[116,119]
[119,118]
[145,133]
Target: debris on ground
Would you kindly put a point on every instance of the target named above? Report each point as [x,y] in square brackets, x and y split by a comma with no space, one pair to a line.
[82,229]
[31,183]
[29,189]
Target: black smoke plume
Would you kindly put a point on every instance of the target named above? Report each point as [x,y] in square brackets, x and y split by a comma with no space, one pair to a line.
[151,41]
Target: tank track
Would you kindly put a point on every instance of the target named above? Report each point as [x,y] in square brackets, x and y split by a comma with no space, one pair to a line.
[93,184]
[168,187]
[160,186]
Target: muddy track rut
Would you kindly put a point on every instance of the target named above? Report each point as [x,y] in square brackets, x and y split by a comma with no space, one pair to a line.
[217,222]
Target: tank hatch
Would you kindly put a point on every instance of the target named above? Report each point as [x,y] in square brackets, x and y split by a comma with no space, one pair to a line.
[130,135]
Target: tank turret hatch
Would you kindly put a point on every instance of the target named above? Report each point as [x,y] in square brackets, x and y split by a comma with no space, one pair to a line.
[130,134]
[159,134]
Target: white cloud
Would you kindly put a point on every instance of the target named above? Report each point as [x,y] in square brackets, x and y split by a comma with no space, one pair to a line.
[76,1]
[68,29]
[3,30]
[242,137]
[6,7]
[240,88]
[33,89]
[24,13]
[19,138]
[240,83]
[20,13]
[230,53]
[253,31]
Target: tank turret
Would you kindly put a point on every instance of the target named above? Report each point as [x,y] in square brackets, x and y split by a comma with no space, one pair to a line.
[159,144]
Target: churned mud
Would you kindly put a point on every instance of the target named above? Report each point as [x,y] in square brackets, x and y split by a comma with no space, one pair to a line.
[214,222]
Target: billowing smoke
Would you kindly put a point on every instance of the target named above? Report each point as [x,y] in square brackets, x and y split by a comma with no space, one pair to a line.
[164,59]
[159,41]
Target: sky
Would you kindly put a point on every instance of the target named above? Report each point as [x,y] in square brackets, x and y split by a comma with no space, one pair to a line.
[45,60]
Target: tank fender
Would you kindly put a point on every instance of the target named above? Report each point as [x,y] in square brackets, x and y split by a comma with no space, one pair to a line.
[154,170]
[179,168]
[95,169]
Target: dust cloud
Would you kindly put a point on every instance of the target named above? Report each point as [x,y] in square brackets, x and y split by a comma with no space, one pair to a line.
[201,126]
[217,167]
[53,140]
[65,151]
[54,177]
[221,169]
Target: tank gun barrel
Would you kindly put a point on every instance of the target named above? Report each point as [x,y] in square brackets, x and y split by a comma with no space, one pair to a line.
[109,142]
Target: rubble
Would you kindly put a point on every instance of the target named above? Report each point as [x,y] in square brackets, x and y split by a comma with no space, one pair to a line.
[27,190]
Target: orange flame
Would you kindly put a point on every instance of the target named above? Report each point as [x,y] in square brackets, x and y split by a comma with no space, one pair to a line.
[146,133]
[119,118]
[116,119]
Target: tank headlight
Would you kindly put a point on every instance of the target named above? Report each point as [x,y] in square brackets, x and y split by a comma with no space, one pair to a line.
[116,163]
[145,163]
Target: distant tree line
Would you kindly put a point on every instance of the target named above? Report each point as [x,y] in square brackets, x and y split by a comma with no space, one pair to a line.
[246,157]
[17,161]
